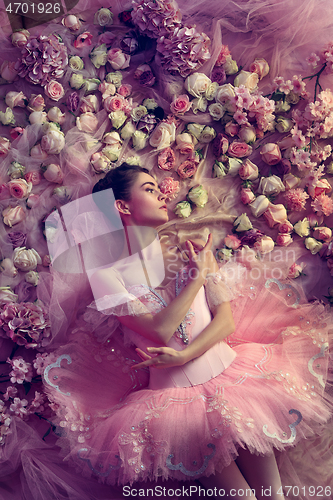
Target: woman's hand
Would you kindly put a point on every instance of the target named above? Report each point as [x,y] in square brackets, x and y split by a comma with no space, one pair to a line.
[201,258]
[164,357]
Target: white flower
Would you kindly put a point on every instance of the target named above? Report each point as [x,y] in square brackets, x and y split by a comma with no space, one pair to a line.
[242,223]
[7,268]
[313,245]
[111,138]
[199,104]
[26,259]
[37,117]
[302,227]
[76,63]
[219,170]
[32,277]
[53,142]
[150,104]
[249,80]
[198,195]
[138,112]
[7,295]
[103,17]
[259,205]
[76,81]
[212,91]
[112,152]
[99,55]
[230,66]
[117,118]
[55,115]
[197,84]
[133,160]
[91,84]
[234,166]
[270,185]
[225,96]
[115,77]
[163,135]
[183,209]
[216,111]
[195,129]
[7,118]
[127,131]
[139,139]
[207,135]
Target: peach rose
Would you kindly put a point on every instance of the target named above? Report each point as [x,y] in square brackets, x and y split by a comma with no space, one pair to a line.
[322,233]
[54,90]
[275,214]
[247,196]
[19,188]
[15,99]
[259,205]
[271,153]
[285,227]
[13,215]
[87,122]
[100,162]
[248,171]
[180,105]
[36,102]
[264,245]
[290,181]
[239,149]
[317,187]
[184,143]
[261,67]
[38,153]
[53,173]
[283,239]
[33,200]
[118,59]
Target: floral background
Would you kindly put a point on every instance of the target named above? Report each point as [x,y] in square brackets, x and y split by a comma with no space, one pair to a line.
[239,138]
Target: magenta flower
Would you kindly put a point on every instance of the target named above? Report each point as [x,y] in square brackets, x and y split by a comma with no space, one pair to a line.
[83,40]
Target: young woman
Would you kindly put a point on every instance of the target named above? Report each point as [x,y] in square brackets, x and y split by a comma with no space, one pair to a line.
[210,412]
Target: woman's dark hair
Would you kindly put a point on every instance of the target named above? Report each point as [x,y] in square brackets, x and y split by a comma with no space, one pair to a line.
[120,180]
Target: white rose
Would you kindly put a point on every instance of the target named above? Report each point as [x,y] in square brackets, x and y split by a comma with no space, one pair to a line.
[212,91]
[259,205]
[283,124]
[62,194]
[103,17]
[117,118]
[195,129]
[91,84]
[150,104]
[7,268]
[55,115]
[14,99]
[112,152]
[133,160]
[127,131]
[230,66]
[199,104]
[264,245]
[219,170]
[247,134]
[163,135]
[270,185]
[53,142]
[115,77]
[198,195]
[242,223]
[37,117]
[15,170]
[313,245]
[76,81]
[197,84]
[183,209]
[234,166]
[249,80]
[216,111]
[281,106]
[7,118]
[100,162]
[138,112]
[225,96]
[139,139]
[99,55]
[76,63]
[26,259]
[32,277]
[7,295]
[111,138]
[302,227]
[207,135]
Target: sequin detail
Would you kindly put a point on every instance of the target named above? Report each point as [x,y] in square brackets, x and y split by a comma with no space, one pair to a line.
[283,286]
[57,365]
[95,471]
[323,350]
[187,472]
[291,426]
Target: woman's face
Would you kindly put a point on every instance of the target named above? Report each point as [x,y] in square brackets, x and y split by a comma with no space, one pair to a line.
[147,205]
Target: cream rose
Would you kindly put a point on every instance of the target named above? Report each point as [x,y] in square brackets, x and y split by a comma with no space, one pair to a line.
[195,129]
[26,259]
[37,117]
[15,99]
[313,245]
[55,115]
[139,139]
[185,143]
[99,56]
[117,118]
[87,122]
[118,59]
[20,38]
[163,135]
[230,66]
[13,215]
[207,135]
[275,214]
[103,17]
[38,153]
[7,295]
[261,67]
[248,79]
[242,223]
[259,205]
[53,173]
[216,111]
[115,77]
[4,147]
[183,209]
[7,268]
[247,134]
[7,117]
[32,277]
[302,227]
[138,112]
[199,104]
[112,152]
[290,181]
[283,124]
[127,131]
[270,185]
[76,63]
[234,165]
[71,22]
[100,162]
[197,84]
[53,142]
[264,245]
[198,195]
[248,171]
[211,92]
[111,138]
[76,81]
[225,94]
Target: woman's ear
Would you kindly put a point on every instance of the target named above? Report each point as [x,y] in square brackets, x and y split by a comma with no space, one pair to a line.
[122,207]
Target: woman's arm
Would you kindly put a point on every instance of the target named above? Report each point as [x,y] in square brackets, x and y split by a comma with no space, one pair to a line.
[218,329]
[161,326]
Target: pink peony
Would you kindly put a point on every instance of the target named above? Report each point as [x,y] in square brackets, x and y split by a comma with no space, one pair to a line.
[180,105]
[166,159]
[83,40]
[170,188]
[271,153]
[54,90]
[296,199]
[239,149]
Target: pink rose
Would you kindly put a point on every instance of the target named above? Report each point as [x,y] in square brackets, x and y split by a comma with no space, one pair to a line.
[180,105]
[53,173]
[83,40]
[113,103]
[184,144]
[231,129]
[295,270]
[283,239]
[19,188]
[315,219]
[34,177]
[38,153]
[8,71]
[261,67]
[16,132]
[239,149]
[275,214]
[100,162]
[33,201]
[20,38]
[125,90]
[13,215]
[220,145]
[170,188]
[4,147]
[290,181]
[166,159]
[89,104]
[118,59]
[53,142]
[87,122]
[264,245]
[187,169]
[285,227]
[317,187]
[322,233]
[54,90]
[271,153]
[15,99]
[107,89]
[286,143]
[36,102]
[231,241]
[247,196]
[55,115]
[248,171]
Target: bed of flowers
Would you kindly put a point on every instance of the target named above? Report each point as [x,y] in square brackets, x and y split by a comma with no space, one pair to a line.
[82,97]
